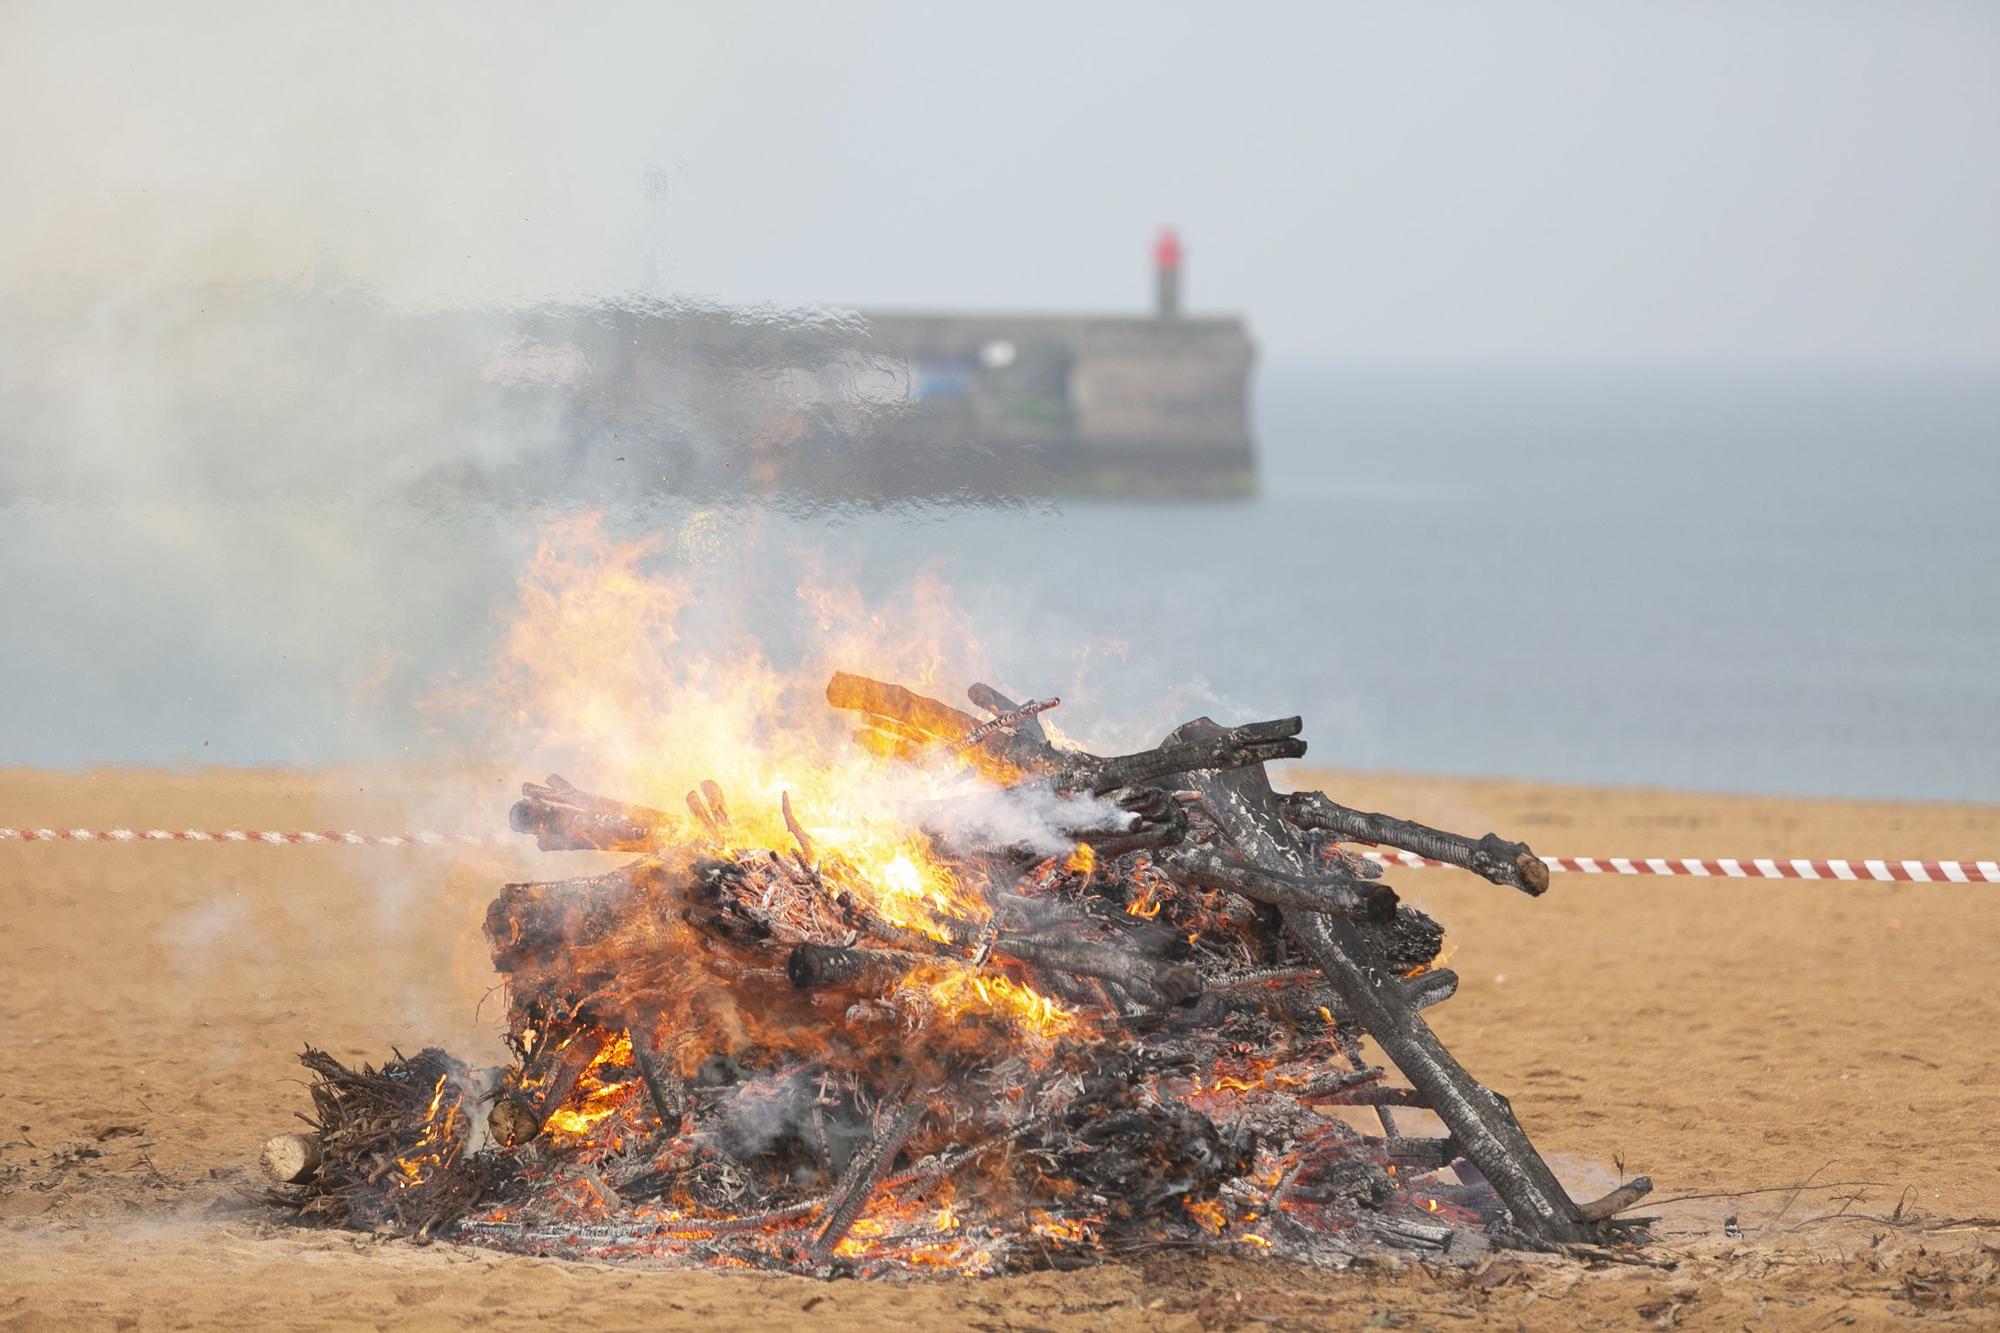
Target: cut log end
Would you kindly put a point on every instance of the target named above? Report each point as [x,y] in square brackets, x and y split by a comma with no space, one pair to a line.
[512,1122]
[1534,873]
[289,1159]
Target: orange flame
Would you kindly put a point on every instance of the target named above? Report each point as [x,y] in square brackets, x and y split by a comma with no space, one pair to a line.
[604,668]
[1208,1215]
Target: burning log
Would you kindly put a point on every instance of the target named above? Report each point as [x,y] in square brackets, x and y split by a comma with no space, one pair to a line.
[664,1085]
[904,724]
[708,807]
[565,819]
[813,965]
[862,1175]
[546,923]
[518,1116]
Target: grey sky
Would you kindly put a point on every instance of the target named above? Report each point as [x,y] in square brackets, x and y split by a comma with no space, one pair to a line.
[1592,182]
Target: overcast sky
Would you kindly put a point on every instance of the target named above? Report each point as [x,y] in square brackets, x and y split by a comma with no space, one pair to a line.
[1515,183]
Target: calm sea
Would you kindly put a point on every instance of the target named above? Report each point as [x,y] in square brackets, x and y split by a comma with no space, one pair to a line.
[1766,583]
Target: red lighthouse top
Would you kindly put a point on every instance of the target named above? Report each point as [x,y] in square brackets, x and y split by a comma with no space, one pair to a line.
[1167,249]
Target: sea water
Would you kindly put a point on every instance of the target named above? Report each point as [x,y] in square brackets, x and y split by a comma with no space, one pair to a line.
[1764,582]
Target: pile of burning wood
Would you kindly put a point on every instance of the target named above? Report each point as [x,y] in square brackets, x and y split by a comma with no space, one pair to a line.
[1097,1006]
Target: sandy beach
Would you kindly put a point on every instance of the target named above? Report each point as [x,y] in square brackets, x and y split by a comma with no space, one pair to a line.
[1719,1036]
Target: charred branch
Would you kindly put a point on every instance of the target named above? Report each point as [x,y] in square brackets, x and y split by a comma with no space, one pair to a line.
[1201,745]
[1027,723]
[1331,895]
[563,818]
[1491,857]
[864,1172]
[1480,1121]
[665,1088]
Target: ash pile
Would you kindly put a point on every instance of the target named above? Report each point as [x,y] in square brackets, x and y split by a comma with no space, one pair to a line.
[966,1051]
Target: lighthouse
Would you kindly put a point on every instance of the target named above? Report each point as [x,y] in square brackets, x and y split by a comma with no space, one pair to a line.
[1167,274]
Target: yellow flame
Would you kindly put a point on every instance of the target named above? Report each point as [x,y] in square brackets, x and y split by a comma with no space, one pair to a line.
[601,670]
[1030,1010]
[437,1145]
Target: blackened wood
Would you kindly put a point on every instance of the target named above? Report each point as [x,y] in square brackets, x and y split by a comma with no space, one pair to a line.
[1479,1119]
[566,819]
[1371,1095]
[1335,895]
[1336,1085]
[1300,995]
[665,1087]
[1429,988]
[534,924]
[812,965]
[1417,1156]
[1154,982]
[1199,746]
[1157,821]
[1491,857]
[862,1174]
[998,704]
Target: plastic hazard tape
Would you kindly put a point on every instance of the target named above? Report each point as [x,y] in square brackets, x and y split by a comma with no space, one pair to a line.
[1747,867]
[242,835]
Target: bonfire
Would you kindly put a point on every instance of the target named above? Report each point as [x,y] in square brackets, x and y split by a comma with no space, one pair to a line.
[1065,1007]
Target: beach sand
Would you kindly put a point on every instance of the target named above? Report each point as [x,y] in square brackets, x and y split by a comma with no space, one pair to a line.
[1715,1035]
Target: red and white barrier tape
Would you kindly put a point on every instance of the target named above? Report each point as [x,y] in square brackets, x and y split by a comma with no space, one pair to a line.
[1761,867]
[241,835]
